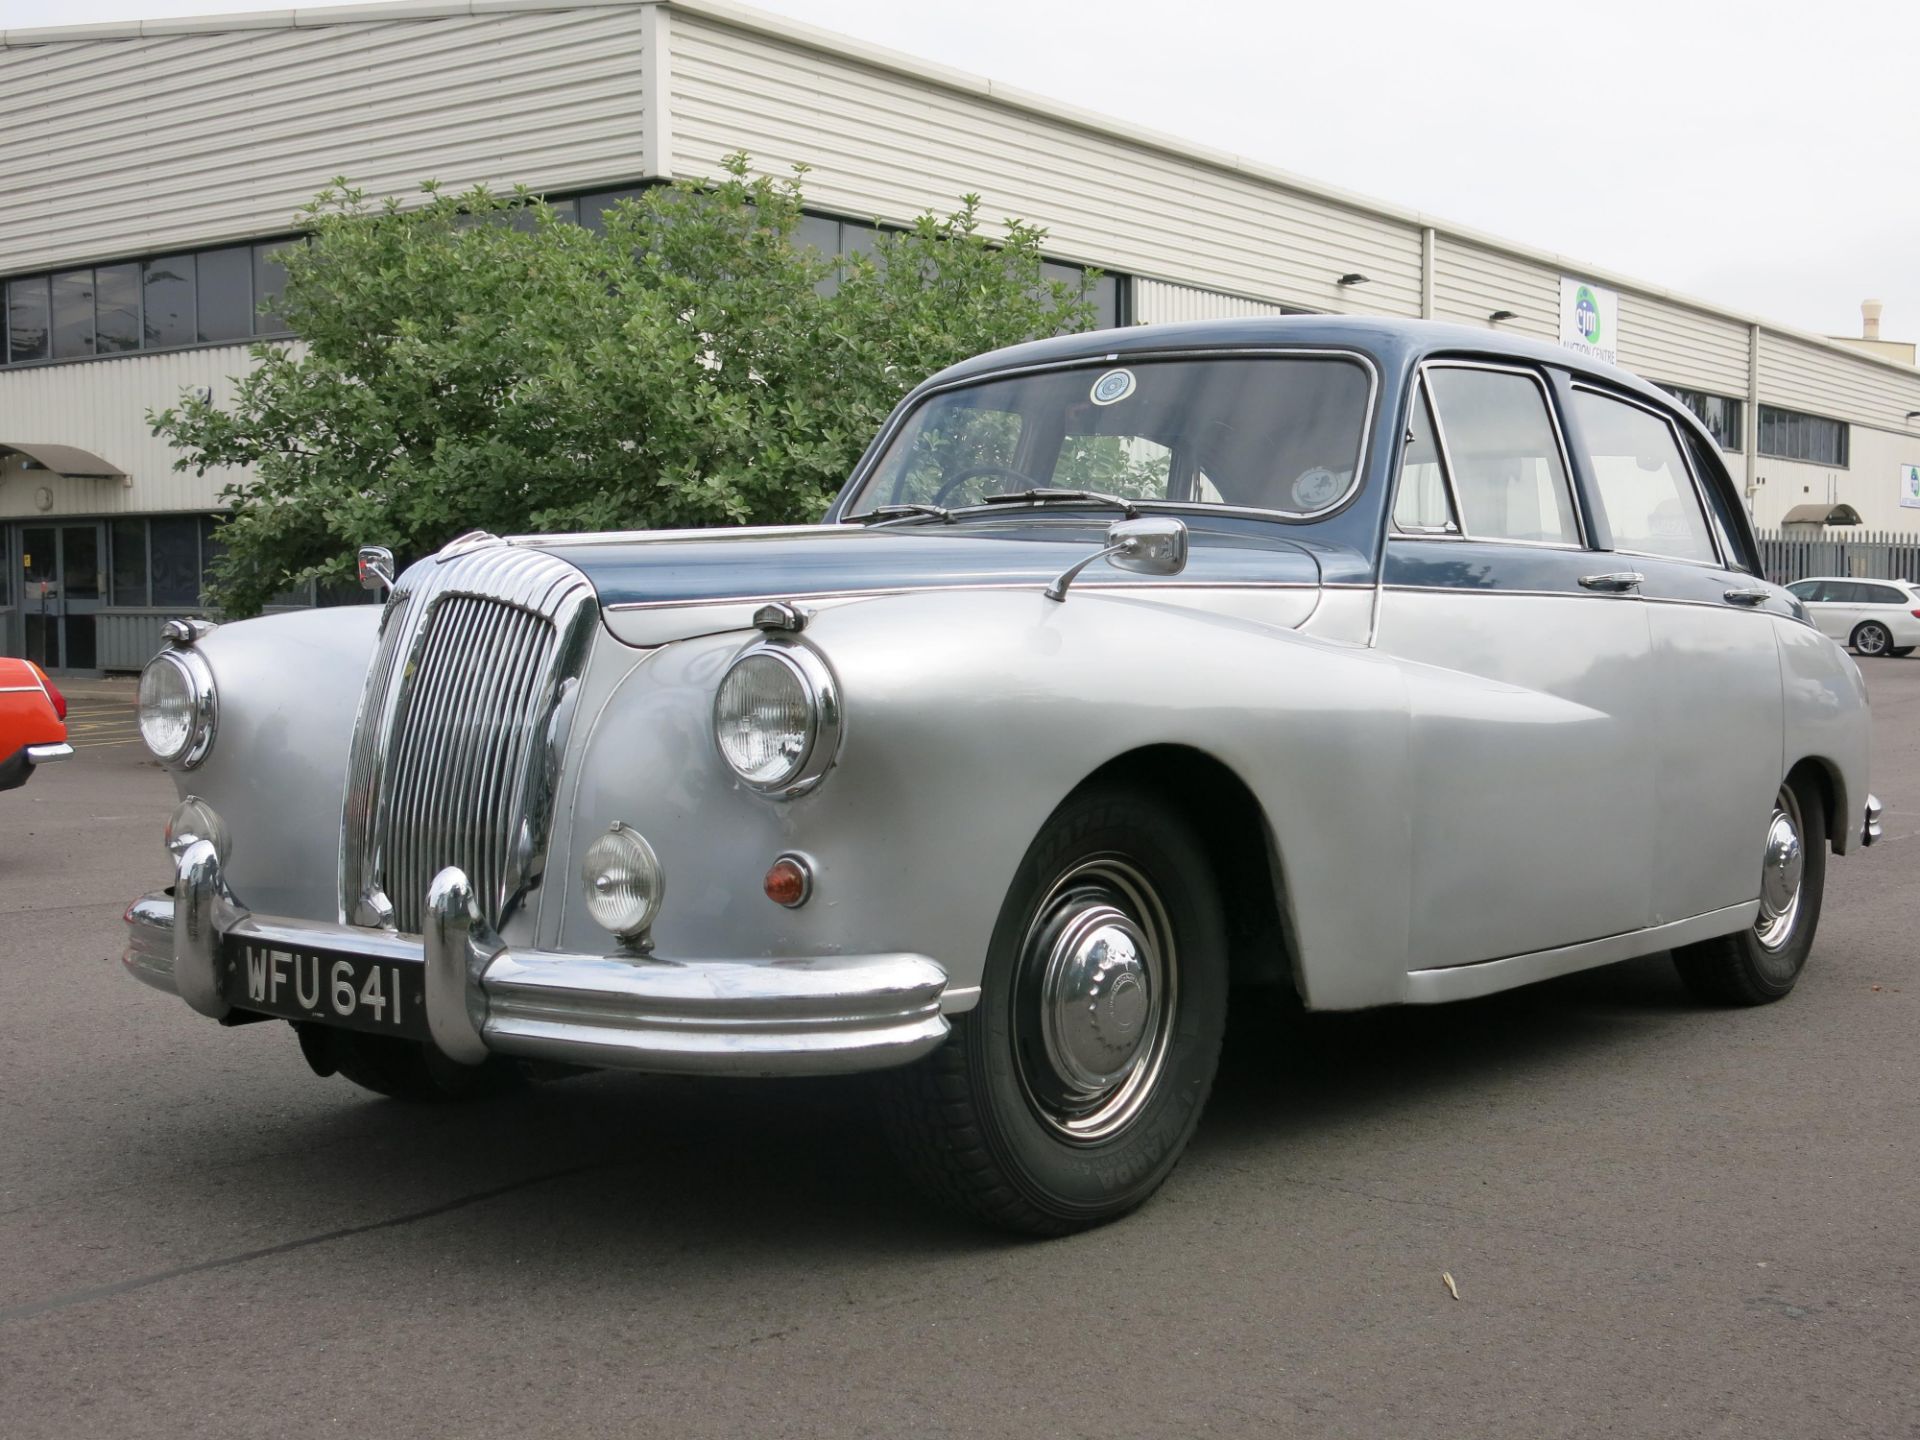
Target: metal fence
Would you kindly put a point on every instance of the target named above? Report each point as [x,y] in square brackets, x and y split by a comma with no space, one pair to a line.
[1869,555]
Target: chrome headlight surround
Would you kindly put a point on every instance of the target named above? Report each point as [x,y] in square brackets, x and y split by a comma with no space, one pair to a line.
[189,669]
[821,693]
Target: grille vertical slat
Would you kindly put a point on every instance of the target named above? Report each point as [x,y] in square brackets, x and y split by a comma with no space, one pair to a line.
[466,676]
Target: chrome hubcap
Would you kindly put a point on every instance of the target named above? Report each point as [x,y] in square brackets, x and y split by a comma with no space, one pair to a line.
[1093,1005]
[1780,880]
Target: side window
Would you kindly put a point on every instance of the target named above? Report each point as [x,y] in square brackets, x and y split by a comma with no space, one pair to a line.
[1644,485]
[1883,595]
[1421,506]
[1841,592]
[956,458]
[1804,589]
[1506,465]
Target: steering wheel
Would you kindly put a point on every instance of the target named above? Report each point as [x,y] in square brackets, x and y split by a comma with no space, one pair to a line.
[975,472]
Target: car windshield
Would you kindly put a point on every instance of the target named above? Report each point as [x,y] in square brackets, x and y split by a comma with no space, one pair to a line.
[1279,433]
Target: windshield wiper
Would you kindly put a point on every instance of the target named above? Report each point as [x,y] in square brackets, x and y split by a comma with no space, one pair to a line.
[880,514]
[1045,493]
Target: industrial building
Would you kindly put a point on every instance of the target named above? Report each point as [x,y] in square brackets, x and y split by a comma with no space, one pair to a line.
[149,171]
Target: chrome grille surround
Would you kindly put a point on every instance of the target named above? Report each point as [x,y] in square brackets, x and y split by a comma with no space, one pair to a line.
[462,728]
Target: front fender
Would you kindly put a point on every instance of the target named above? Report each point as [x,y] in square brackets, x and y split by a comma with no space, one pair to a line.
[287,688]
[968,719]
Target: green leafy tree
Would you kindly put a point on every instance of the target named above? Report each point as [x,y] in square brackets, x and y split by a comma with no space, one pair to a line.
[477,361]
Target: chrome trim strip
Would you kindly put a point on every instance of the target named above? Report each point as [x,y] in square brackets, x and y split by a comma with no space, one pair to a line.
[1126,587]
[1485,977]
[776,1015]
[1611,598]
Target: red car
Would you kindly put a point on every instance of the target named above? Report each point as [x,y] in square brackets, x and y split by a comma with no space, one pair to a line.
[33,721]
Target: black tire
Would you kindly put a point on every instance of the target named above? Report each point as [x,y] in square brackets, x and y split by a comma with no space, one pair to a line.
[405,1069]
[1872,639]
[1900,652]
[1762,963]
[987,1124]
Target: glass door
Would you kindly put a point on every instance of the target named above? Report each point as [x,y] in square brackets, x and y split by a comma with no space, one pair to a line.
[60,593]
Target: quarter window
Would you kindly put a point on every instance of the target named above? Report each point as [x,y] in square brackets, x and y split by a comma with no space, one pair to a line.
[1500,446]
[1645,489]
[1421,505]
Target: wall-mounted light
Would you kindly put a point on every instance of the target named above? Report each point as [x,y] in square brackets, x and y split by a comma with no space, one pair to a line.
[1352,277]
[1498,315]
[1912,413]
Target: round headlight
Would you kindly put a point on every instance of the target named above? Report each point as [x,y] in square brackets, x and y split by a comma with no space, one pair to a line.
[176,707]
[624,882]
[193,819]
[777,718]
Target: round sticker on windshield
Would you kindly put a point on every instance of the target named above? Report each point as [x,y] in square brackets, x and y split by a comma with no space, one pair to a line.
[1316,489]
[1113,386]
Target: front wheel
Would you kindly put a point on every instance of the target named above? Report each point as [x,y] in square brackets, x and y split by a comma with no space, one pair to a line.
[1761,964]
[1873,639]
[1065,1097]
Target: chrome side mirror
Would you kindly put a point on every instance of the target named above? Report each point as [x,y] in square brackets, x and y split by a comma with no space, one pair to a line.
[376,568]
[1150,545]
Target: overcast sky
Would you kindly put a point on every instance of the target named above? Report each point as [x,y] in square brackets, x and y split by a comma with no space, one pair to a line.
[1763,155]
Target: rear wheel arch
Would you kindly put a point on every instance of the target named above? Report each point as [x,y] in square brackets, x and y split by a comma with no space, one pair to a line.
[1246,860]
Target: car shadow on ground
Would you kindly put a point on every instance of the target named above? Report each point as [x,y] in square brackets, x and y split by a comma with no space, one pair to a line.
[623,1167]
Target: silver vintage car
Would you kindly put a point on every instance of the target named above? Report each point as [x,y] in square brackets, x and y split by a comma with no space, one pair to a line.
[1385,662]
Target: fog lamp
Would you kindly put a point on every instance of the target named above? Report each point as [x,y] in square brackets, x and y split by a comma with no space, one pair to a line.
[623,882]
[193,819]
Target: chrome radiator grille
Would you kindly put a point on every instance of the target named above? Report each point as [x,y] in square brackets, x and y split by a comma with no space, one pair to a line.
[462,727]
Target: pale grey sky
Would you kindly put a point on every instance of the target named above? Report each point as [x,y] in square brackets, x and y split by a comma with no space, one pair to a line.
[1762,155]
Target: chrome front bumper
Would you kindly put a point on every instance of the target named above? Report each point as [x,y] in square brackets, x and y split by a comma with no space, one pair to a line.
[804,1016]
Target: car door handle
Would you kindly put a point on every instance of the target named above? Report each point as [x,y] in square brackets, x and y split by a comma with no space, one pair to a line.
[1748,597]
[1618,580]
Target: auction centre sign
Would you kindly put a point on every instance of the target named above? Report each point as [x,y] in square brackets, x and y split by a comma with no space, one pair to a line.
[1590,319]
[1910,486]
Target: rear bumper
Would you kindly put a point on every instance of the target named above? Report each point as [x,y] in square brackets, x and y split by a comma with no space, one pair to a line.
[1870,824]
[18,767]
[794,1016]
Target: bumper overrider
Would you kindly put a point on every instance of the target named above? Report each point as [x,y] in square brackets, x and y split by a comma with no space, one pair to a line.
[810,1015]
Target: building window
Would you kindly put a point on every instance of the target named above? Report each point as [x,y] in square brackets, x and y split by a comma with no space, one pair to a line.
[1720,414]
[162,562]
[1790,435]
[203,297]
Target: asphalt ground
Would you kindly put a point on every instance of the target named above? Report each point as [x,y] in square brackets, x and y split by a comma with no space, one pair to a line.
[1661,1219]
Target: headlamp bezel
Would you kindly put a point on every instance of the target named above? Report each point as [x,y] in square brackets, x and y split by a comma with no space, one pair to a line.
[822,693]
[205,708]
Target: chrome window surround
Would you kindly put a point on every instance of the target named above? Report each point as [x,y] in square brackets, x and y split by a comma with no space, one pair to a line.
[1419,387]
[1719,562]
[206,705]
[482,569]
[823,695]
[884,440]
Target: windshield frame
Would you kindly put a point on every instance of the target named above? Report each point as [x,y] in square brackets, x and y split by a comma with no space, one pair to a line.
[882,444]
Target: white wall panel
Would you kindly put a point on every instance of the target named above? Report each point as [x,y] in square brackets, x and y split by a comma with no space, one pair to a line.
[101,406]
[1156,302]
[142,143]
[888,145]
[1683,346]
[1805,376]
[1470,282]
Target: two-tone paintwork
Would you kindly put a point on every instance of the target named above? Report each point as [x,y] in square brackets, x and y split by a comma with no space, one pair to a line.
[1472,770]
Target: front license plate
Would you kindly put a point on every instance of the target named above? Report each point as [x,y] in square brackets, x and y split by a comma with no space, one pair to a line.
[359,992]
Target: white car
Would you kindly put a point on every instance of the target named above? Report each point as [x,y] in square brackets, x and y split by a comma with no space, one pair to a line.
[1875,617]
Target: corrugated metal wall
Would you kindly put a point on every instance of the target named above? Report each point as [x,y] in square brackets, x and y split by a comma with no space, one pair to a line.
[1470,282]
[101,406]
[1156,302]
[1810,377]
[889,145]
[1682,346]
[128,145]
